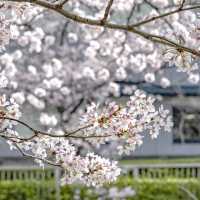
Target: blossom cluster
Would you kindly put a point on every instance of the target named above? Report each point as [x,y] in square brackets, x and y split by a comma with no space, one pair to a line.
[8,109]
[8,14]
[127,124]
[90,169]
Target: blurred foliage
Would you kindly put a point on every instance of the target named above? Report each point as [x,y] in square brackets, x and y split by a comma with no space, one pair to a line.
[145,189]
[27,190]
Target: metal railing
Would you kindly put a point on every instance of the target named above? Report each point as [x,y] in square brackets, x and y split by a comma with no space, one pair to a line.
[190,170]
[25,173]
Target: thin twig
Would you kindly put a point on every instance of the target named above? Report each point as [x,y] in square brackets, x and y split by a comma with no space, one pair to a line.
[18,121]
[158,11]
[107,11]
[182,4]
[35,157]
[180,9]
[62,3]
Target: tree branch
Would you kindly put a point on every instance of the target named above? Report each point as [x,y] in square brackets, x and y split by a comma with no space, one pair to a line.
[130,28]
[67,134]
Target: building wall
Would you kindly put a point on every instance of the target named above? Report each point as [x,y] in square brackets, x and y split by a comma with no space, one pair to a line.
[163,145]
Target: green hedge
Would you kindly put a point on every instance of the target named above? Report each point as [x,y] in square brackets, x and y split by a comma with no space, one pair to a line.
[27,190]
[162,189]
[146,189]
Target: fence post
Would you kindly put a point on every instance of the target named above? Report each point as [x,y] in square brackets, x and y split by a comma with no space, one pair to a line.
[57,183]
[135,172]
[198,172]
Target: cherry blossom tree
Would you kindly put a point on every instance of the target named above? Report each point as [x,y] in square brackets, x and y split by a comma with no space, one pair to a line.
[61,56]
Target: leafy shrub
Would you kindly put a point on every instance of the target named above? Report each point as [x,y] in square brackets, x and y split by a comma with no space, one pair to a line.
[27,190]
[145,189]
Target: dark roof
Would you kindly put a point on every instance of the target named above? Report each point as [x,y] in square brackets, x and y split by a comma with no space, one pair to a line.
[172,91]
[186,90]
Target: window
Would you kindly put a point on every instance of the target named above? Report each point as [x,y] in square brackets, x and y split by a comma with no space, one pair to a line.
[186,125]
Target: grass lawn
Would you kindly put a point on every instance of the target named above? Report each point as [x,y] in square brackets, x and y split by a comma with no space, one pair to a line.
[161,160]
